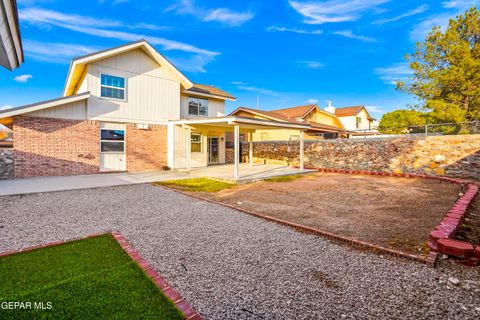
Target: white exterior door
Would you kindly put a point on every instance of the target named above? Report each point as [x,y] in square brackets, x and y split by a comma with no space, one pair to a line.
[112,147]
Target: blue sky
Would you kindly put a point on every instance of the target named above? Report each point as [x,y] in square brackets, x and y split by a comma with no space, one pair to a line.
[287,53]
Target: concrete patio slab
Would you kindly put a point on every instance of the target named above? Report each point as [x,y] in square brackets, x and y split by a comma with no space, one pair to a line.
[246,173]
[222,172]
[48,184]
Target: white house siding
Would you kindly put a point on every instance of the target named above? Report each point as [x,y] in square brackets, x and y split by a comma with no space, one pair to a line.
[152,92]
[199,159]
[74,111]
[350,123]
[215,107]
[8,37]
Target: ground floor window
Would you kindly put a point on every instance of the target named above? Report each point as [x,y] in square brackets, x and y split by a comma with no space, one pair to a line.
[112,140]
[196,142]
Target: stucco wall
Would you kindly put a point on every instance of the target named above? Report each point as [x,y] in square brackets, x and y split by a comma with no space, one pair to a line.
[457,156]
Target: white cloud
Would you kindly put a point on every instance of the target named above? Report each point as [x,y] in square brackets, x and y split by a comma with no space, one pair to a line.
[257,90]
[351,35]
[223,15]
[394,73]
[228,17]
[99,28]
[23,78]
[410,13]
[459,4]
[375,109]
[238,82]
[312,101]
[420,31]
[310,64]
[319,12]
[5,107]
[294,30]
[55,52]
[45,17]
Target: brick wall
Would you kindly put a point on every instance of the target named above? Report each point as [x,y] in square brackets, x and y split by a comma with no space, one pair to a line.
[456,156]
[146,149]
[55,147]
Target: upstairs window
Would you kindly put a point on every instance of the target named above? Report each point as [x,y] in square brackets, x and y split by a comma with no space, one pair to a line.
[197,107]
[359,122]
[112,87]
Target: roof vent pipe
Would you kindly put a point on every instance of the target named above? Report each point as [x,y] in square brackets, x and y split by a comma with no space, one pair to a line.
[330,108]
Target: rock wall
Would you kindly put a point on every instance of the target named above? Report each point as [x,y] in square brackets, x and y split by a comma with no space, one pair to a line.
[456,156]
[6,163]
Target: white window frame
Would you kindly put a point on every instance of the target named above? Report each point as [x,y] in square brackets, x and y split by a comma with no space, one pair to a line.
[198,108]
[200,142]
[124,140]
[111,87]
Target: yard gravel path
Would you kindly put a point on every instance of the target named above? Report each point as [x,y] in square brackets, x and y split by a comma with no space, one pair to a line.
[230,265]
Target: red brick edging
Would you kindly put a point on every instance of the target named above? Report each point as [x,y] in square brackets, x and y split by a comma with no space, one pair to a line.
[446,228]
[160,282]
[430,259]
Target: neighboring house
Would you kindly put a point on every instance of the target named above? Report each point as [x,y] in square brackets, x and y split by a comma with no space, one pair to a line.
[355,119]
[11,52]
[126,109]
[322,124]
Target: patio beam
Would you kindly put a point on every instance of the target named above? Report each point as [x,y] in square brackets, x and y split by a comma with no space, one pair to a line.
[302,150]
[236,150]
[250,148]
[188,148]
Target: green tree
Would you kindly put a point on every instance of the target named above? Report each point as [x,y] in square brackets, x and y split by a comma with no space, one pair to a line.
[446,70]
[398,121]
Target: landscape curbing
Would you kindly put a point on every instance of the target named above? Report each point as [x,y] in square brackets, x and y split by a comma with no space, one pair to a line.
[179,302]
[430,259]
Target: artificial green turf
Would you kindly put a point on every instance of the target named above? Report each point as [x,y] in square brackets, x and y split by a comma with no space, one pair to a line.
[86,279]
[285,178]
[197,185]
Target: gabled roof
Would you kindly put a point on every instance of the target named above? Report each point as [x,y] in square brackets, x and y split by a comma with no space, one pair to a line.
[351,111]
[296,112]
[78,65]
[11,51]
[203,89]
[267,114]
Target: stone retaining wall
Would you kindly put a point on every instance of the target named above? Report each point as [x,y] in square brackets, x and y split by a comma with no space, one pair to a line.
[456,156]
[6,163]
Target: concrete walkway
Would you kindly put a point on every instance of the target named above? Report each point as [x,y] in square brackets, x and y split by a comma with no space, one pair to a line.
[48,184]
[223,172]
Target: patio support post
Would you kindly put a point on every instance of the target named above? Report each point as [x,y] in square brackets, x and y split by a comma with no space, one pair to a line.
[236,150]
[302,150]
[250,149]
[188,148]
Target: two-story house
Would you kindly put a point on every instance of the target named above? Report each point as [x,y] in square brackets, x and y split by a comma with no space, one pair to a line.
[127,109]
[355,119]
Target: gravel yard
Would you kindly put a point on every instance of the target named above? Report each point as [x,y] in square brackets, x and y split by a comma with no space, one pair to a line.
[230,265]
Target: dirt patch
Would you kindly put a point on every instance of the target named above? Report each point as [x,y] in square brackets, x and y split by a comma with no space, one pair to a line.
[394,212]
[470,228]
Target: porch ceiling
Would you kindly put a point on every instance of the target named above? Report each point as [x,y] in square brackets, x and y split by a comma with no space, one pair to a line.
[246,124]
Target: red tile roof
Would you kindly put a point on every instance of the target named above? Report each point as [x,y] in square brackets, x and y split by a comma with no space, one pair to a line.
[296,112]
